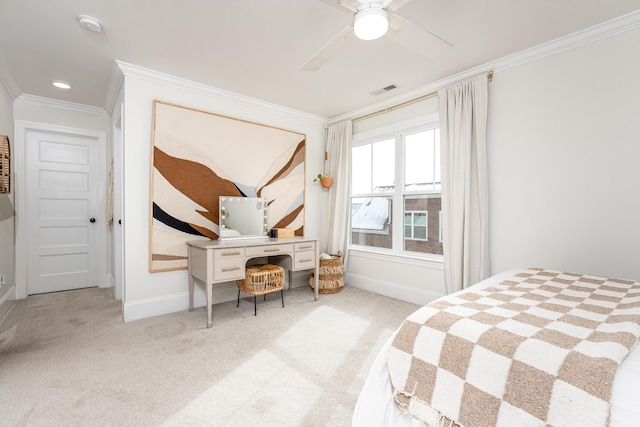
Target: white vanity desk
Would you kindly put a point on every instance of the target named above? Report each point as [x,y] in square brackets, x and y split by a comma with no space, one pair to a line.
[218,261]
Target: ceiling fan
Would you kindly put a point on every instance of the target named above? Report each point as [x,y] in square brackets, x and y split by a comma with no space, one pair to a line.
[374,19]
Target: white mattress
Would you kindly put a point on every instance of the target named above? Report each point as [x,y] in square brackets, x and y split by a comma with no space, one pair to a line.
[375,406]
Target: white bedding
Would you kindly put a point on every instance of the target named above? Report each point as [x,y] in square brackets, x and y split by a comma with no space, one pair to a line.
[375,405]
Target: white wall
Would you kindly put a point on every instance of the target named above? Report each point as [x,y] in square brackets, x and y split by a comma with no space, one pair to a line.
[7,217]
[564,161]
[409,279]
[148,294]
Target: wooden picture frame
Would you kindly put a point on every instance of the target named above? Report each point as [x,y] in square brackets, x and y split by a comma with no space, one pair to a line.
[198,156]
[5,165]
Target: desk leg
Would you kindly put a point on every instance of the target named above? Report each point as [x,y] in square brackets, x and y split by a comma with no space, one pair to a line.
[209,291]
[190,292]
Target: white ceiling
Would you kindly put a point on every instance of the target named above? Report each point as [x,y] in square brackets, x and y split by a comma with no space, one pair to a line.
[256,47]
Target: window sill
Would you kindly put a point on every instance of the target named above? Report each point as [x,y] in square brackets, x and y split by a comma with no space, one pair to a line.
[432,261]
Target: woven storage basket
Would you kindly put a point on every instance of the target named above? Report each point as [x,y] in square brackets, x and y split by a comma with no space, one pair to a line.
[331,277]
[262,279]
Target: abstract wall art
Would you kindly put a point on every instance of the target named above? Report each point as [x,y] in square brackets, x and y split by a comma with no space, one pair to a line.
[198,156]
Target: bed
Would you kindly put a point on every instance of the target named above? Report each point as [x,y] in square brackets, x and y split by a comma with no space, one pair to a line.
[394,391]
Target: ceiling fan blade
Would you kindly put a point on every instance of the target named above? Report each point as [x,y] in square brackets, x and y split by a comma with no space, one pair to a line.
[394,4]
[328,50]
[344,5]
[416,38]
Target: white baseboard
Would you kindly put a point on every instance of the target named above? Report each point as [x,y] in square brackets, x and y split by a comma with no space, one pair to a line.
[393,290]
[6,302]
[223,292]
[149,307]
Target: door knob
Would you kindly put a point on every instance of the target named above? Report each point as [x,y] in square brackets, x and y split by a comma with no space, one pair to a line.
[92,220]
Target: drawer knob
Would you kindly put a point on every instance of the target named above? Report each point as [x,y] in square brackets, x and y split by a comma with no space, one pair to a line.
[226,270]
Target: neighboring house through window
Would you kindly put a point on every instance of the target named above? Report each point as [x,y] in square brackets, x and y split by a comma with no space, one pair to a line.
[396,185]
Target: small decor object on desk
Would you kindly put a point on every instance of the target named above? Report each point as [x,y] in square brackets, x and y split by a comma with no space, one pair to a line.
[325,181]
[282,232]
[331,277]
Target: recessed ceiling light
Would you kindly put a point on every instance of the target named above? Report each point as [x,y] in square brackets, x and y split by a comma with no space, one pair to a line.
[60,84]
[90,23]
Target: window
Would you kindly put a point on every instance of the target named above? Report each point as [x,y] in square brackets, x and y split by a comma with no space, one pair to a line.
[415,225]
[373,178]
[396,185]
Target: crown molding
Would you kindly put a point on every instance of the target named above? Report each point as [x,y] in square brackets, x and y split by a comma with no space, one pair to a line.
[220,94]
[64,105]
[621,24]
[624,23]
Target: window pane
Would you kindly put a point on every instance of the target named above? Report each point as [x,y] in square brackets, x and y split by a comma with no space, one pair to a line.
[371,221]
[420,233]
[426,224]
[419,157]
[383,171]
[361,169]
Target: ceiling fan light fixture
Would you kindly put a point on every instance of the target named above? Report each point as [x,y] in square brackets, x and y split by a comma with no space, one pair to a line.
[371,23]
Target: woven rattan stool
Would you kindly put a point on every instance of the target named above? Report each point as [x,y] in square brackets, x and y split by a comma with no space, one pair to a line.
[261,280]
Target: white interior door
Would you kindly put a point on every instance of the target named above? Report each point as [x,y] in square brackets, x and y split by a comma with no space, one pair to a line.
[62,211]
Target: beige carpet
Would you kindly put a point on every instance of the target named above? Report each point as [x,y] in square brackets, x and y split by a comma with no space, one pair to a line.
[68,359]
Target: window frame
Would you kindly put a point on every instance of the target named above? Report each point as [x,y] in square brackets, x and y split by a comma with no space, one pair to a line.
[396,131]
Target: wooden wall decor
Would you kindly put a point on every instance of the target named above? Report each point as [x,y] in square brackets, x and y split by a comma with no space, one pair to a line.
[5,165]
[198,156]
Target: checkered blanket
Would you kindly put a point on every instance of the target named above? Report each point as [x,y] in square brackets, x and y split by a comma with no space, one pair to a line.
[539,349]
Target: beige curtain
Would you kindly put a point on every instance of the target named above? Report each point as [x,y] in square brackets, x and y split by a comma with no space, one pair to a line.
[463,122]
[334,234]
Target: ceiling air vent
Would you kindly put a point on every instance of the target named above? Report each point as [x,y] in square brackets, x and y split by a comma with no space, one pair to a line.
[383,90]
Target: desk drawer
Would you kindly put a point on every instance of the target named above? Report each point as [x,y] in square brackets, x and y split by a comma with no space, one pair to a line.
[268,250]
[305,246]
[304,259]
[228,253]
[229,269]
